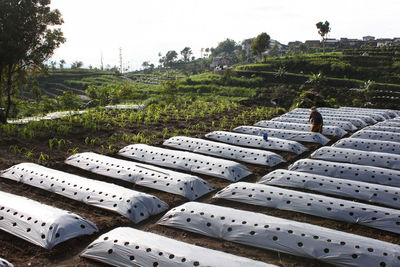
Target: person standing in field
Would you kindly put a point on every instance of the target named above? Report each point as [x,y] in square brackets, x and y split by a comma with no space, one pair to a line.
[316,120]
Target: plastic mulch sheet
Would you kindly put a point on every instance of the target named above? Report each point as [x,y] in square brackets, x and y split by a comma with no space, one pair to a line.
[326,130]
[49,116]
[4,263]
[126,246]
[293,135]
[381,194]
[389,112]
[382,128]
[134,205]
[348,171]
[253,156]
[326,207]
[254,141]
[369,145]
[296,238]
[345,125]
[355,121]
[134,107]
[187,161]
[338,114]
[378,115]
[40,224]
[178,183]
[377,159]
[378,135]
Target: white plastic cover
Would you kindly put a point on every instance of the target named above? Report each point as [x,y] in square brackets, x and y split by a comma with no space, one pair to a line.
[249,140]
[378,115]
[4,263]
[369,145]
[356,122]
[348,171]
[301,239]
[189,186]
[313,204]
[386,195]
[377,135]
[40,224]
[389,123]
[382,128]
[293,135]
[187,161]
[337,113]
[253,156]
[134,205]
[326,130]
[126,246]
[134,107]
[49,116]
[345,125]
[377,159]
[390,112]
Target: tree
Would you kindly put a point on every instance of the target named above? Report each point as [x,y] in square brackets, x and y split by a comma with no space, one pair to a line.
[225,48]
[186,53]
[28,37]
[145,64]
[169,58]
[61,63]
[260,44]
[76,64]
[323,30]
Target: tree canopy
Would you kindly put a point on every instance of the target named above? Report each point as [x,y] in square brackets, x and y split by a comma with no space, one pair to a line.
[260,43]
[186,53]
[225,48]
[28,37]
[323,30]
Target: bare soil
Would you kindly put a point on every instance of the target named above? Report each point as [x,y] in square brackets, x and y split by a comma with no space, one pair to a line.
[22,253]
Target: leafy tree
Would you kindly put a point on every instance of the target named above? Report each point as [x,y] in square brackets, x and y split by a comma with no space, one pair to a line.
[76,64]
[260,44]
[35,92]
[323,30]
[68,100]
[169,58]
[61,63]
[274,52]
[225,48]
[145,64]
[26,41]
[186,53]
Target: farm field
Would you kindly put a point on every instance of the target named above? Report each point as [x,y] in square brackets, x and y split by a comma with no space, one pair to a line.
[105,132]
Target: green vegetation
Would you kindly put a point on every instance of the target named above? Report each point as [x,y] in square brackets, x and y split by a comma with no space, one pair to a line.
[378,64]
[28,35]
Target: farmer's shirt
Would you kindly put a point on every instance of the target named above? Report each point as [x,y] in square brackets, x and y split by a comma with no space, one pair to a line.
[316,117]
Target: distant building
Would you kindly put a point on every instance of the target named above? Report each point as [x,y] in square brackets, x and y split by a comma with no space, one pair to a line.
[331,42]
[383,42]
[312,43]
[396,41]
[350,43]
[221,62]
[368,38]
[294,44]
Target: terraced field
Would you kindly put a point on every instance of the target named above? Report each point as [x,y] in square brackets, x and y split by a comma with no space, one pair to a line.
[293,198]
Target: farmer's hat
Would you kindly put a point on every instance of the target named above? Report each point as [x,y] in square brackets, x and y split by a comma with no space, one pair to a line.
[313,109]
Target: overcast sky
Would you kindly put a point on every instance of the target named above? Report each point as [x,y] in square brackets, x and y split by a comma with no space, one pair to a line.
[144,28]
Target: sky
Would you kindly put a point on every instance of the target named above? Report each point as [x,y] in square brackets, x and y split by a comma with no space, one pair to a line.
[96,29]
